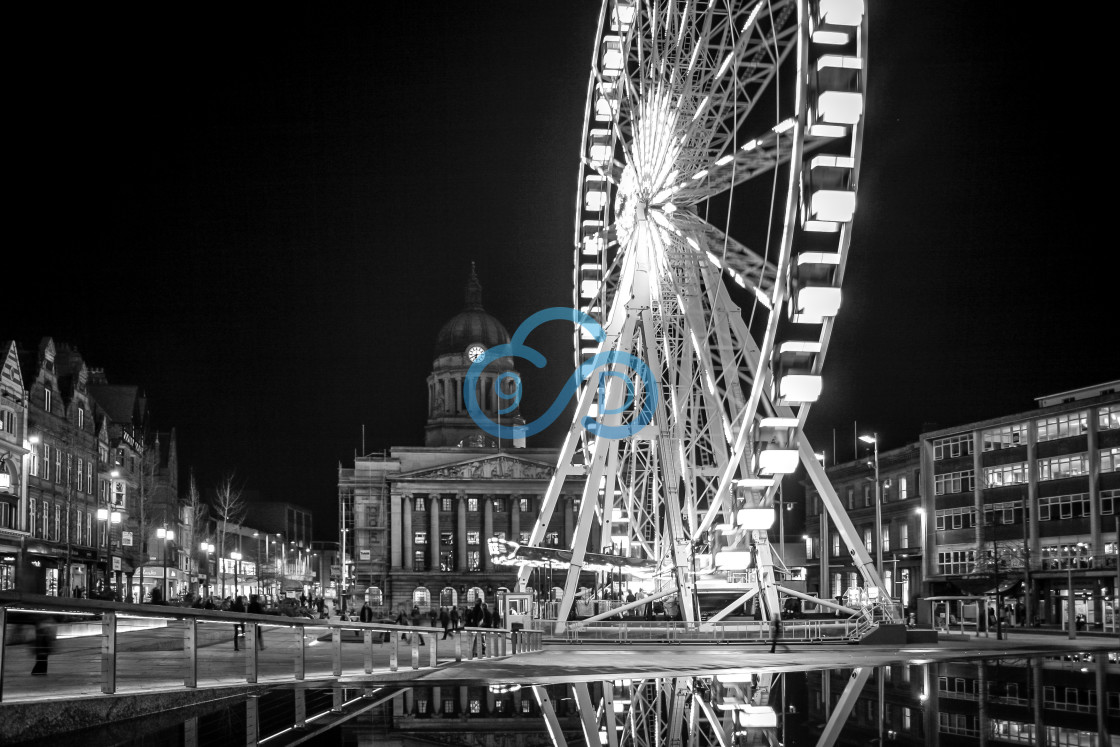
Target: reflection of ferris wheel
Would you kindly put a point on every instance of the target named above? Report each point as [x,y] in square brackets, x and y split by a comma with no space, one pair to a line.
[704,121]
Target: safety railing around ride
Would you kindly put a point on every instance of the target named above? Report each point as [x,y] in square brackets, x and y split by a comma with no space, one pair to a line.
[734,631]
[76,647]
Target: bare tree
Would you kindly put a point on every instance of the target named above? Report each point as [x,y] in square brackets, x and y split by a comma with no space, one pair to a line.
[229,508]
[199,515]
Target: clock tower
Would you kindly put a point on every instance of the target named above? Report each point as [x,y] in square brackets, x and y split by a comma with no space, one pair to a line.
[468,335]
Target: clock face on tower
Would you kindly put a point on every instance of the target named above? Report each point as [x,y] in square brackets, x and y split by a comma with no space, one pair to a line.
[474,351]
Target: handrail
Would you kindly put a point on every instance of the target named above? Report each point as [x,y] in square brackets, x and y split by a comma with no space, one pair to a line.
[141,646]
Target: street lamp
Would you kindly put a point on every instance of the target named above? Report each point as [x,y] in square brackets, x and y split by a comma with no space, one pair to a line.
[106,519]
[165,535]
[236,556]
[207,549]
[874,441]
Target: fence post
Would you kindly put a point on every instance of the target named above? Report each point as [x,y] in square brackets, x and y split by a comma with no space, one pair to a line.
[415,644]
[190,650]
[367,642]
[3,637]
[109,652]
[252,663]
[300,663]
[336,650]
[458,645]
[394,654]
[252,715]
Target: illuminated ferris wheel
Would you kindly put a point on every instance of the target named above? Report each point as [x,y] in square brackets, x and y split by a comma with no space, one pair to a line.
[717,188]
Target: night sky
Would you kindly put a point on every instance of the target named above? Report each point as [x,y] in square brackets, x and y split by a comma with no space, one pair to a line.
[264,218]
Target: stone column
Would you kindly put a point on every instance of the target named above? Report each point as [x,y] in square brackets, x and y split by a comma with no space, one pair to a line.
[433,532]
[461,535]
[406,532]
[487,530]
[395,531]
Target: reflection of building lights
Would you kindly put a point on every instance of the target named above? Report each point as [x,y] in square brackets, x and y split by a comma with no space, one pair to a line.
[505,687]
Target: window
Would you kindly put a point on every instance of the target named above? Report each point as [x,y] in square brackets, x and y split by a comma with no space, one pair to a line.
[419,560]
[526,705]
[1062,426]
[953,446]
[809,548]
[1109,499]
[58,465]
[499,505]
[57,522]
[35,460]
[420,538]
[1108,417]
[89,528]
[81,419]
[1006,474]
[903,493]
[476,705]
[1005,438]
[887,538]
[956,562]
[851,497]
[420,503]
[447,538]
[446,560]
[523,504]
[866,496]
[474,560]
[33,518]
[835,545]
[46,527]
[954,482]
[472,504]
[472,538]
[867,540]
[552,538]
[7,421]
[421,707]
[837,584]
[1065,506]
[89,477]
[1056,468]
[47,400]
[46,461]
[1110,459]
[422,598]
[445,504]
[904,534]
[449,706]
[523,538]
[956,518]
[79,522]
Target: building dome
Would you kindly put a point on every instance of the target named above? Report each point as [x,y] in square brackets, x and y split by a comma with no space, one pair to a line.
[472,325]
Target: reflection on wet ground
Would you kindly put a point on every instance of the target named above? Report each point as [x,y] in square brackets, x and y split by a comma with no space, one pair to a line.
[1069,698]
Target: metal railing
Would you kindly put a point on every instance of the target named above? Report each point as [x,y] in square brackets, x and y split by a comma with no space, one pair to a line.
[737,631]
[89,647]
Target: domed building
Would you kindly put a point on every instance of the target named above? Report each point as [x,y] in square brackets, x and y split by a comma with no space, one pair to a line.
[417,519]
[468,335]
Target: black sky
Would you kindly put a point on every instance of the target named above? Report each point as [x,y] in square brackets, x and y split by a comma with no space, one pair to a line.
[264,217]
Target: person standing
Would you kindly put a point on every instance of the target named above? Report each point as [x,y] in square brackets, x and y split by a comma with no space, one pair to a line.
[366,615]
[416,622]
[455,618]
[444,621]
[238,627]
[256,608]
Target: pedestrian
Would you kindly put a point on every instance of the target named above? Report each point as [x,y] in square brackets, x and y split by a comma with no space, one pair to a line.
[455,618]
[238,627]
[366,615]
[416,622]
[474,620]
[444,621]
[46,632]
[402,620]
[321,606]
[256,608]
[302,600]
[157,595]
[209,604]
[775,631]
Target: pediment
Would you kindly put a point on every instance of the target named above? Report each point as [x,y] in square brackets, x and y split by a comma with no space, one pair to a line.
[500,467]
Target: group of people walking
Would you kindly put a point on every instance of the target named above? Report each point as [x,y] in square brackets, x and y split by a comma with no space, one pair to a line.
[450,619]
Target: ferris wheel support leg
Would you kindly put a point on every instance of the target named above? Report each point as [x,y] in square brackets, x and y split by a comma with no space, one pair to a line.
[765,570]
[844,526]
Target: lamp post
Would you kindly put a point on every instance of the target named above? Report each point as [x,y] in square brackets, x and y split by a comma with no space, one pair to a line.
[165,535]
[873,439]
[106,519]
[236,556]
[207,549]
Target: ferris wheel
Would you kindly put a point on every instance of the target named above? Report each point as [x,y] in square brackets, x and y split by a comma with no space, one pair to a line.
[717,187]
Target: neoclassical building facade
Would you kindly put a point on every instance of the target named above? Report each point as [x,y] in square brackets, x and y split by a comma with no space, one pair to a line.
[415,520]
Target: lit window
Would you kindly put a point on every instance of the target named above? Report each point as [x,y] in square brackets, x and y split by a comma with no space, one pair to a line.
[474,560]
[523,504]
[421,538]
[420,504]
[472,538]
[445,504]
[472,504]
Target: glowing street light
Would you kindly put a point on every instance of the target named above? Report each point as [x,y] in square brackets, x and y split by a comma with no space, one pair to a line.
[873,439]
